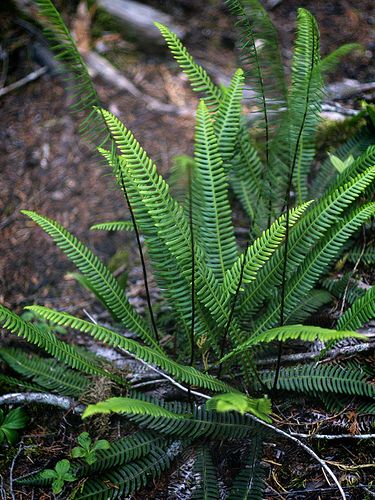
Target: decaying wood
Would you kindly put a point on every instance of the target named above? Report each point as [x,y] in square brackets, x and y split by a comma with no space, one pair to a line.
[63,402]
[138,19]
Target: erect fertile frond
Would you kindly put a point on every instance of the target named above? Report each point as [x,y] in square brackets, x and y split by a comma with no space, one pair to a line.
[198,77]
[119,225]
[99,277]
[211,187]
[250,482]
[316,378]
[47,373]
[361,311]
[227,118]
[48,341]
[82,89]
[206,476]
[304,100]
[288,332]
[186,374]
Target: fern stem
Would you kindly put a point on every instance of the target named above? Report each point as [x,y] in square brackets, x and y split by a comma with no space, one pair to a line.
[144,270]
[286,208]
[234,301]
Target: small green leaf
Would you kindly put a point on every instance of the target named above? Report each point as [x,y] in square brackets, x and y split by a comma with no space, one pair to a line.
[48,474]
[101,444]
[84,440]
[57,485]
[15,419]
[235,401]
[78,452]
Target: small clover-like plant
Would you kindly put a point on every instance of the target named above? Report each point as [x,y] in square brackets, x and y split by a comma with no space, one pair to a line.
[87,449]
[59,475]
[10,423]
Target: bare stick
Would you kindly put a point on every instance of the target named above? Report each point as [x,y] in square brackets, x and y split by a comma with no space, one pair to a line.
[23,81]
[20,448]
[331,437]
[63,402]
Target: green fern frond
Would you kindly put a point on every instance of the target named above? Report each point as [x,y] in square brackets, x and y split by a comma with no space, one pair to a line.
[315,379]
[206,476]
[322,215]
[307,306]
[99,277]
[365,254]
[330,61]
[260,251]
[215,215]
[120,225]
[5,380]
[227,118]
[186,374]
[361,311]
[344,285]
[250,482]
[46,372]
[289,332]
[128,406]
[47,341]
[126,480]
[315,264]
[304,100]
[82,90]
[198,77]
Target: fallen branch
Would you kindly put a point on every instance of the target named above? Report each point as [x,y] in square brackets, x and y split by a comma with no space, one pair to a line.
[348,88]
[23,81]
[331,437]
[330,355]
[63,402]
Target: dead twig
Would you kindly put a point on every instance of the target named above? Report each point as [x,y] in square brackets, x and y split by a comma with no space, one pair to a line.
[23,81]
[63,402]
[11,469]
[330,437]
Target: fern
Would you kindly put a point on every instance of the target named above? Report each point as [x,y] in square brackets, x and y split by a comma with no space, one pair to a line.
[199,79]
[323,378]
[361,311]
[99,277]
[52,345]
[289,332]
[250,483]
[183,373]
[206,477]
[46,373]
[120,225]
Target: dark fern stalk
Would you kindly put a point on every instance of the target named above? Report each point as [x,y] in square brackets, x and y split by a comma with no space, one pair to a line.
[234,301]
[139,244]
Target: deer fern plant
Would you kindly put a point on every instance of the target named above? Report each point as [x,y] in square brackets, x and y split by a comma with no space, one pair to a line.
[229,304]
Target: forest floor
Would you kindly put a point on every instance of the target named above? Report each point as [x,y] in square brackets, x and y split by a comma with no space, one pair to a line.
[46,167]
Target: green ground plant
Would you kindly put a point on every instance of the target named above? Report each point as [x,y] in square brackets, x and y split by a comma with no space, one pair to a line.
[228,304]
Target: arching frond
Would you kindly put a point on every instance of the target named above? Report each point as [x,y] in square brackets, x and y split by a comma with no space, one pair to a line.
[198,77]
[99,277]
[47,373]
[361,311]
[48,341]
[182,373]
[119,225]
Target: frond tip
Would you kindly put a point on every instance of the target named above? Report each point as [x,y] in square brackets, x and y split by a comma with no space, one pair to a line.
[235,401]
